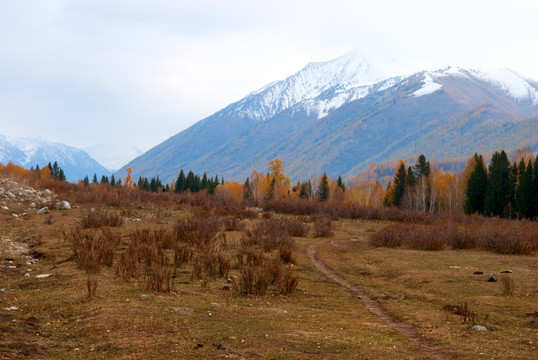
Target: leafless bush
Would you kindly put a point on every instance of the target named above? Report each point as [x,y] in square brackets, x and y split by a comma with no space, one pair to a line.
[231,223]
[508,285]
[464,310]
[253,280]
[269,234]
[288,281]
[295,227]
[496,235]
[322,227]
[285,251]
[159,275]
[91,251]
[100,218]
[49,219]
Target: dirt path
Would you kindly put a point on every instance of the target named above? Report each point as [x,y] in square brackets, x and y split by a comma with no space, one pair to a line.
[423,345]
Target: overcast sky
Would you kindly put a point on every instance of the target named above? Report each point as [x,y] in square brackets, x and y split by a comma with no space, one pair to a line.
[137,72]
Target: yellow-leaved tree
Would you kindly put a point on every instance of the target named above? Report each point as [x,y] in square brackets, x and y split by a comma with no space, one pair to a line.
[279,183]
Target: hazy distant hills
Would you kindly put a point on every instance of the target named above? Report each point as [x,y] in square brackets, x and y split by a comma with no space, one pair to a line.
[29,152]
[339,116]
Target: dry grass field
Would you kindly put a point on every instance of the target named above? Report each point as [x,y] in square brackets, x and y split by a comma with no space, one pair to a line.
[435,293]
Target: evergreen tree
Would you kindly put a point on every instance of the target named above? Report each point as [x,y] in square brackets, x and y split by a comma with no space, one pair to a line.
[340,183]
[306,190]
[153,185]
[37,168]
[476,187]
[61,175]
[422,167]
[119,182]
[399,185]
[190,182]
[410,179]
[524,193]
[247,191]
[180,183]
[323,189]
[498,190]
[204,183]
[112,180]
[104,179]
[94,178]
[86,180]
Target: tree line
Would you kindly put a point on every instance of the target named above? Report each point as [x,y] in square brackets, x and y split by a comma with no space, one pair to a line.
[502,189]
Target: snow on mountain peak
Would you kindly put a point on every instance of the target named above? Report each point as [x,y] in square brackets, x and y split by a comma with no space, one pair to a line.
[352,70]
[511,83]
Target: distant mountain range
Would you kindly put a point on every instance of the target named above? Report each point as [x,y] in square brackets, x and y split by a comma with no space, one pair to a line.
[341,115]
[29,152]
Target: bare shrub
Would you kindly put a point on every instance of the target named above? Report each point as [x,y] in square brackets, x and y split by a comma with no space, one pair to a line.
[508,285]
[269,234]
[464,310]
[288,281]
[253,280]
[249,256]
[285,252]
[197,230]
[159,275]
[90,252]
[322,227]
[100,218]
[49,219]
[295,227]
[386,238]
[231,223]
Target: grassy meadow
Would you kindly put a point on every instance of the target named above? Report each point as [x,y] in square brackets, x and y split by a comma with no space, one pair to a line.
[219,281]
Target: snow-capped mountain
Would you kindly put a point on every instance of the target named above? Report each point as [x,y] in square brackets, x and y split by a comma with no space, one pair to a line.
[338,116]
[326,85]
[113,156]
[28,152]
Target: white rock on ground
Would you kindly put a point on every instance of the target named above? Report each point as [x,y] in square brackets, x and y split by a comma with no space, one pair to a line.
[64,205]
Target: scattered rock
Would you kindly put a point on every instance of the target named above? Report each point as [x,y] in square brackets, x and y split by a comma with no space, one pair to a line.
[4,208]
[478,273]
[506,271]
[11,308]
[14,215]
[479,328]
[42,276]
[47,192]
[64,205]
[492,278]
[32,205]
[43,210]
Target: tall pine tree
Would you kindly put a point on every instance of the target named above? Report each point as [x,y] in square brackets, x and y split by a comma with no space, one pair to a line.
[322,193]
[524,194]
[476,187]
[498,193]
[399,185]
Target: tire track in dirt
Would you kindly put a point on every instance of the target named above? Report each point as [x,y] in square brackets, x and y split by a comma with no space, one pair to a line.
[417,340]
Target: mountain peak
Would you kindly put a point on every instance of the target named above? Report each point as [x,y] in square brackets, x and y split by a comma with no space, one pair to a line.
[351,70]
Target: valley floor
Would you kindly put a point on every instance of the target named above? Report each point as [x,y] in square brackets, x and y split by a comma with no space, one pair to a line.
[52,317]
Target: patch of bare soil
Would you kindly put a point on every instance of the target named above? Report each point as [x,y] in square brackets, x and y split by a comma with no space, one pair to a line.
[415,338]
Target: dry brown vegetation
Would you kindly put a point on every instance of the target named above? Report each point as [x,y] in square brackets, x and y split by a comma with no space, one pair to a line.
[199,277]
